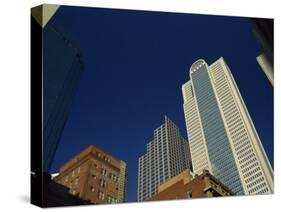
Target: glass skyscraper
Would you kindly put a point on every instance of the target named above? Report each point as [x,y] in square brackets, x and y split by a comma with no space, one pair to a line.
[221,134]
[62,68]
[166,156]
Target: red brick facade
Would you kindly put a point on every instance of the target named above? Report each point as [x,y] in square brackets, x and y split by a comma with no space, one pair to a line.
[204,185]
[92,175]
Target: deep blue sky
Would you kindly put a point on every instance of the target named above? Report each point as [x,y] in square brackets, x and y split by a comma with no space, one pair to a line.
[135,65]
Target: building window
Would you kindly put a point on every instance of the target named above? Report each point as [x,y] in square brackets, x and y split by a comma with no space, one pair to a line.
[92,189]
[94,176]
[103,172]
[72,173]
[110,199]
[66,179]
[101,195]
[102,183]
[104,157]
[189,194]
[77,181]
[78,170]
[110,175]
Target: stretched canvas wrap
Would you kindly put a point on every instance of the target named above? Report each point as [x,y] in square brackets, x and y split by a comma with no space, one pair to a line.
[134,106]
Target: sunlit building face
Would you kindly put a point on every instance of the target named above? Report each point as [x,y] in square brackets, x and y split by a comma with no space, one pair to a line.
[221,134]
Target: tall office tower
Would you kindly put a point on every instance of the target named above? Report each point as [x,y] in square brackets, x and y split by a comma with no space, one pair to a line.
[62,67]
[56,68]
[166,156]
[96,176]
[221,134]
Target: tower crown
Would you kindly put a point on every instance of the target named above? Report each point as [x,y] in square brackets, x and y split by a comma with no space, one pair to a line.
[196,65]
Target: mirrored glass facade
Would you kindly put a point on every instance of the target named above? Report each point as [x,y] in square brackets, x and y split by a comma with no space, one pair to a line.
[218,146]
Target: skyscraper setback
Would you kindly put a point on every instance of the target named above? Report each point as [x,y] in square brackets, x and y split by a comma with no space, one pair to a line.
[166,156]
[222,136]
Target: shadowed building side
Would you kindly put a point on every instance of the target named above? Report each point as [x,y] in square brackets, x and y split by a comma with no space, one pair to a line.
[263,32]
[56,66]
[61,67]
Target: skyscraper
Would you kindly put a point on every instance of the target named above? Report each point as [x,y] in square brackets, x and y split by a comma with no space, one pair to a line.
[56,69]
[62,67]
[166,156]
[222,136]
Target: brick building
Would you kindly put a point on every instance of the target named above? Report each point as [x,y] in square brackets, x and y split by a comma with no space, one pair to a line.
[96,176]
[187,185]
[55,194]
